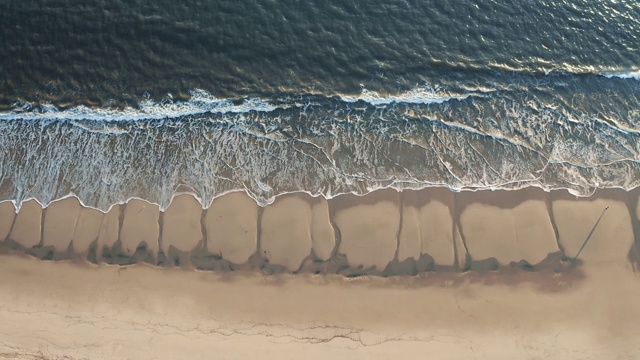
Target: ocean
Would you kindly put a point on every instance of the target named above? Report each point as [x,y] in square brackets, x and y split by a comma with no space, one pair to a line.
[120,99]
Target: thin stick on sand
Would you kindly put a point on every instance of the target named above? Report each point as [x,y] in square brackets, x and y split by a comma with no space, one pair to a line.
[590,233]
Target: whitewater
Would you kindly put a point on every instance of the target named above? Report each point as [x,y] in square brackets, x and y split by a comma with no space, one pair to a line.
[549,134]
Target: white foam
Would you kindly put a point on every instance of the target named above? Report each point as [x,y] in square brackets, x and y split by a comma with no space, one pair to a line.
[624,75]
[250,173]
[421,95]
[201,102]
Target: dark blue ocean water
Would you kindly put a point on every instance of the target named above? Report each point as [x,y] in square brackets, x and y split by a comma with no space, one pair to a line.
[109,100]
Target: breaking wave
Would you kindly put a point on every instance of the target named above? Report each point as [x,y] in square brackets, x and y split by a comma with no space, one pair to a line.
[201,102]
[624,75]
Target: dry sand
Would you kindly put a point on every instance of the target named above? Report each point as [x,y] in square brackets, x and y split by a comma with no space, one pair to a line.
[66,311]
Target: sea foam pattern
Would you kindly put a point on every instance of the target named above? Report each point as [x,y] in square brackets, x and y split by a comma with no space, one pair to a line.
[553,135]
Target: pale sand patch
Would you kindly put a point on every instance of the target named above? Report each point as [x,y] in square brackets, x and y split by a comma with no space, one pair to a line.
[490,232]
[140,223]
[409,242]
[140,312]
[59,223]
[437,225]
[368,226]
[27,227]
[638,207]
[459,247]
[507,225]
[7,215]
[181,226]
[535,235]
[576,217]
[87,229]
[285,234]
[109,228]
[323,237]
[231,223]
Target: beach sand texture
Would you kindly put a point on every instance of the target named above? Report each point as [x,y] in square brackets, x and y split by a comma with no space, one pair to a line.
[494,273]
[181,225]
[604,219]
[59,223]
[108,233]
[61,310]
[369,227]
[231,223]
[87,229]
[435,227]
[140,225]
[7,216]
[507,226]
[428,226]
[285,229]
[27,226]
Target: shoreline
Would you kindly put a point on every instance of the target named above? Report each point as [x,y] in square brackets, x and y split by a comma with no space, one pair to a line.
[385,232]
[411,187]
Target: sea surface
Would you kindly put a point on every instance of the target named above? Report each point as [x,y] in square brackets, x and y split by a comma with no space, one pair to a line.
[109,100]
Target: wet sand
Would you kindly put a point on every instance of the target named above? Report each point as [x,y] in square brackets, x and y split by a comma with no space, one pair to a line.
[231,223]
[383,233]
[487,273]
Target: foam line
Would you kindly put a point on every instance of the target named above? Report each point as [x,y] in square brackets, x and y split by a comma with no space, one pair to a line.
[201,102]
[423,95]
[623,75]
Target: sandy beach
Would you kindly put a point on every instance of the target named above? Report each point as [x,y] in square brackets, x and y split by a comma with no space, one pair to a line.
[385,232]
[62,310]
[461,275]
